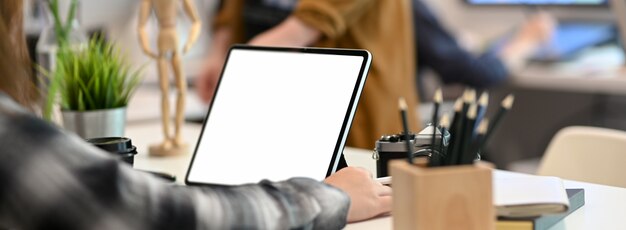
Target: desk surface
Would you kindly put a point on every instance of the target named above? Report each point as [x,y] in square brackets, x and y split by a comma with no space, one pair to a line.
[610,82]
[605,206]
[597,71]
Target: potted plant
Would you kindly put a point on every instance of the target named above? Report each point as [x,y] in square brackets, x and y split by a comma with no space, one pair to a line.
[94,85]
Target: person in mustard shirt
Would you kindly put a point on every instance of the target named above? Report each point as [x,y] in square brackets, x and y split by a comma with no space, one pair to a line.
[386,28]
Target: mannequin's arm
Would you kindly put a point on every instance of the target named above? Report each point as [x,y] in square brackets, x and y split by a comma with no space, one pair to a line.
[144,13]
[190,9]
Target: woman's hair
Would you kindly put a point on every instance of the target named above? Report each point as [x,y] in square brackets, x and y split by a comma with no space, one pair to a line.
[15,66]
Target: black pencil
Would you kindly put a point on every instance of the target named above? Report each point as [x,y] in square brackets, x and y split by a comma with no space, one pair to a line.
[478,141]
[405,124]
[456,127]
[438,98]
[468,134]
[440,159]
[469,96]
[506,105]
[458,106]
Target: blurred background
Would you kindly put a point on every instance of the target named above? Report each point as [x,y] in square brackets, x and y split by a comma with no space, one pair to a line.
[575,78]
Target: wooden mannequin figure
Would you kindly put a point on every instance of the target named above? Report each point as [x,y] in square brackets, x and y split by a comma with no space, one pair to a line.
[168,54]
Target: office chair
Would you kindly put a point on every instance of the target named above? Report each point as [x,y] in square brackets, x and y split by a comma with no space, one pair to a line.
[589,154]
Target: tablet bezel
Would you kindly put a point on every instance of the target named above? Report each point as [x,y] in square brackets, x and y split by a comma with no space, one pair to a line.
[348,118]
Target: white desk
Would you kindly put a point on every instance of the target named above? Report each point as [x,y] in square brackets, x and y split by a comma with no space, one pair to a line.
[145,105]
[605,206]
[610,82]
[597,71]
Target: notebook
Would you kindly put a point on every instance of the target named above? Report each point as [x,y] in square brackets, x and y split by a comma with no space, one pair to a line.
[279,113]
[576,200]
[518,195]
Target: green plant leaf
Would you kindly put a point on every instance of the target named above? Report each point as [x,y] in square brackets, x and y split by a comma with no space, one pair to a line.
[81,105]
[97,77]
[70,15]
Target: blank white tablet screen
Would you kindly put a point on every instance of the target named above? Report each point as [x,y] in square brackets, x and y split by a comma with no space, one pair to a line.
[276,115]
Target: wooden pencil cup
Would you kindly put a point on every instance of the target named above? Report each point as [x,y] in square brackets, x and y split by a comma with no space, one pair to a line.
[453,197]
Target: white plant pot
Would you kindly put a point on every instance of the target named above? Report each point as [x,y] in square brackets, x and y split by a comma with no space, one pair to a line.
[96,123]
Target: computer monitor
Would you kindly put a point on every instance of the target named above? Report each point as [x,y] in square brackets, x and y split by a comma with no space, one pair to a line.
[539,2]
[571,35]
[618,8]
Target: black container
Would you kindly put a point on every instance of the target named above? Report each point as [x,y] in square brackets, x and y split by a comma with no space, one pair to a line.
[121,147]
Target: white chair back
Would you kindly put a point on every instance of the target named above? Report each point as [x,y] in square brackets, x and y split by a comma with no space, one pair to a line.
[589,154]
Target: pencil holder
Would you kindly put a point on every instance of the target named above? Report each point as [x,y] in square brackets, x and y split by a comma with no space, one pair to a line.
[454,197]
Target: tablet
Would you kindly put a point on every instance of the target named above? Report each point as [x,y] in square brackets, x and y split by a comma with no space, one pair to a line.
[279,113]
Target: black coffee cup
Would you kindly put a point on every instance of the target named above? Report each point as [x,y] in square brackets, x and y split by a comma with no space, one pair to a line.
[121,147]
[124,149]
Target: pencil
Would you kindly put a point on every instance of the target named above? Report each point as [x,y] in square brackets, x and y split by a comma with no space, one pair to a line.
[480,137]
[455,127]
[472,96]
[505,106]
[467,137]
[458,106]
[438,98]
[457,137]
[405,124]
[483,102]
[440,159]
[468,100]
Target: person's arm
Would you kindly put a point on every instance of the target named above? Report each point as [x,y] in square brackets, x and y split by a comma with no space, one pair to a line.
[314,20]
[226,31]
[291,32]
[206,82]
[437,49]
[225,26]
[311,21]
[55,180]
[537,30]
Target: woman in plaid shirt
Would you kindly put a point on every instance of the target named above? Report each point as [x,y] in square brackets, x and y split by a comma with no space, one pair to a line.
[53,180]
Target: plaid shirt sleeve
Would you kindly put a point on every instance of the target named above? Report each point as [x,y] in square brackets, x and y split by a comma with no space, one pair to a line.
[52,180]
